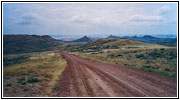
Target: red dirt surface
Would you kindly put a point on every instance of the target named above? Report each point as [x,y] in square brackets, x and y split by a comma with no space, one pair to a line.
[83,78]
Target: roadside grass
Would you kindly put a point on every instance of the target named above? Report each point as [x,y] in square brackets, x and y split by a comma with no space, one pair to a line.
[10,60]
[43,68]
[160,72]
[153,59]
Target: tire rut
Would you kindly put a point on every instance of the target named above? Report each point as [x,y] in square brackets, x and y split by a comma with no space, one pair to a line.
[85,78]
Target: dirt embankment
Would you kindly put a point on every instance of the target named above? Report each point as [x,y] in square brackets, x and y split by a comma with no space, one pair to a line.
[83,78]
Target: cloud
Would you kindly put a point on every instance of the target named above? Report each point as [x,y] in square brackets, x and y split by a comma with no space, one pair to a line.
[164,10]
[87,19]
[172,21]
[25,23]
[29,19]
[80,19]
[151,19]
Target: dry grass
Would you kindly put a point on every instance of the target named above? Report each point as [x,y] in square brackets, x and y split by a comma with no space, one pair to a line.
[154,58]
[55,75]
[45,64]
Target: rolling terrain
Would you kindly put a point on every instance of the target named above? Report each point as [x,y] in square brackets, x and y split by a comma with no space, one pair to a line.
[131,53]
[87,68]
[105,43]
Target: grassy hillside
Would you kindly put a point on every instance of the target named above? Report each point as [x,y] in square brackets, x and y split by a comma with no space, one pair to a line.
[102,44]
[35,74]
[130,53]
[14,44]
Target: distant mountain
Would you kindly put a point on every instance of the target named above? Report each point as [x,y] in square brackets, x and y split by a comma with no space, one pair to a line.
[94,38]
[150,39]
[167,36]
[28,43]
[83,39]
[155,40]
[47,37]
[113,37]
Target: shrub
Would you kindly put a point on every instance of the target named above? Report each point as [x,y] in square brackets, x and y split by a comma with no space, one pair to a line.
[134,52]
[111,55]
[173,54]
[57,87]
[100,52]
[148,61]
[146,66]
[162,49]
[106,47]
[14,60]
[126,52]
[21,81]
[9,84]
[33,80]
[167,69]
[114,47]
[155,54]
[158,72]
[155,50]
[118,55]
[140,56]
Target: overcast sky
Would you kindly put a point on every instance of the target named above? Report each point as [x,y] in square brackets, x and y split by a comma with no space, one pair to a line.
[90,18]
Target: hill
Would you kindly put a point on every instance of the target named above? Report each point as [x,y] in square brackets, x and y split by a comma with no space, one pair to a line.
[150,39]
[105,43]
[13,44]
[113,37]
[83,39]
[156,40]
[131,53]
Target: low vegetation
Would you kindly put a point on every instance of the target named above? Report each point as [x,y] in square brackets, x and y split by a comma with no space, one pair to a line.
[10,60]
[149,57]
[35,76]
[105,43]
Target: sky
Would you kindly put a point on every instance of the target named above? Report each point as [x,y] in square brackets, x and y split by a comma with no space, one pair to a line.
[91,19]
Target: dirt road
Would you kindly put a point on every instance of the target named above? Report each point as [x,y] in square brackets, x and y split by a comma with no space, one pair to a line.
[83,78]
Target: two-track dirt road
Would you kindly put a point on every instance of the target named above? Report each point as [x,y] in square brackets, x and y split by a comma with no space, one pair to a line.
[83,78]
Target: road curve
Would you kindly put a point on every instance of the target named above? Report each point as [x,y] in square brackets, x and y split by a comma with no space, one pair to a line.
[83,78]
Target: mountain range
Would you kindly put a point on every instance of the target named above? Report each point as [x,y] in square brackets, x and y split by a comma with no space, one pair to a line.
[13,44]
[150,39]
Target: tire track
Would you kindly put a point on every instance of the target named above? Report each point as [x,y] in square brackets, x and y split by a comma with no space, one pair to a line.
[85,78]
